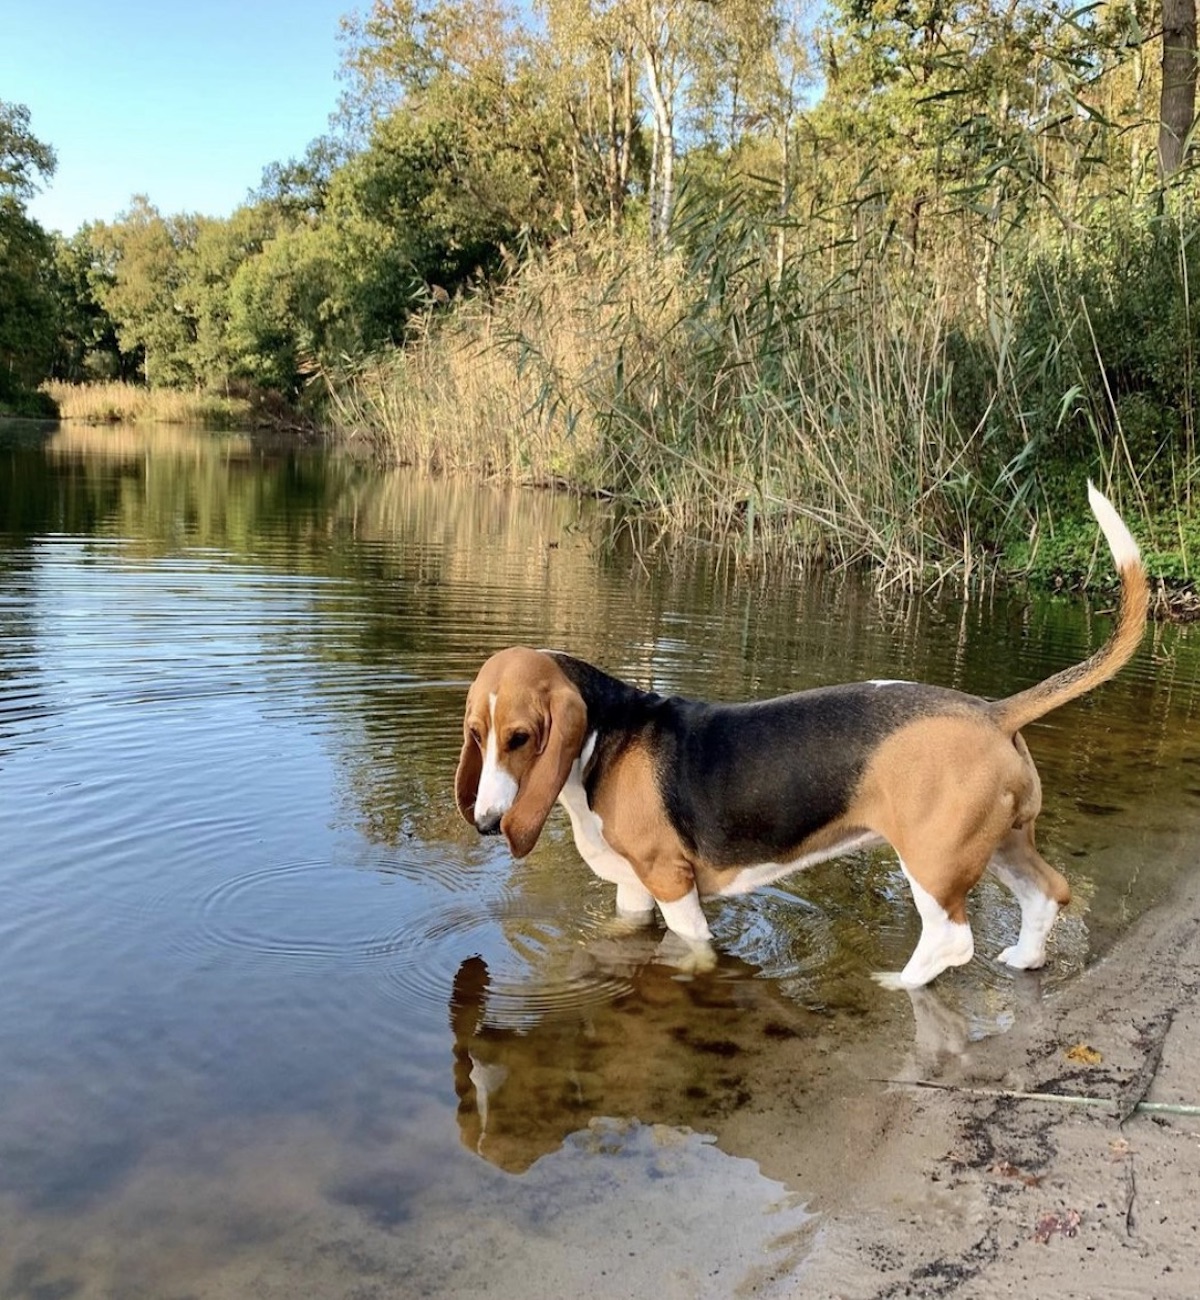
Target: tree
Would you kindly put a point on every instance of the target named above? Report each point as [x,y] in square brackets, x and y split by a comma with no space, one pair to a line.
[285,310]
[591,49]
[24,159]
[1177,105]
[139,280]
[87,346]
[297,189]
[760,70]
[28,312]
[463,147]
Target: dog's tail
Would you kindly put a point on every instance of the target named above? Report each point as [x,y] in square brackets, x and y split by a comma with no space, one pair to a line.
[1018,710]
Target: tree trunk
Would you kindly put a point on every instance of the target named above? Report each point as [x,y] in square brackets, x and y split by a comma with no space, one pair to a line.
[627,127]
[662,197]
[1177,105]
[612,167]
[619,104]
[654,195]
[785,198]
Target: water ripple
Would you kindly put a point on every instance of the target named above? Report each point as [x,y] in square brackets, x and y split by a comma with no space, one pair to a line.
[300,912]
[535,973]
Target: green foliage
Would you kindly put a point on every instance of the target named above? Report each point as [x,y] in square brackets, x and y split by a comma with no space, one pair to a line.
[281,309]
[1071,553]
[139,282]
[902,321]
[28,308]
[28,313]
[23,157]
[1104,371]
[87,346]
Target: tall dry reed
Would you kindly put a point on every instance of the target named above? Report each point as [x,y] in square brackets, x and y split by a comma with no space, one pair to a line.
[849,405]
[715,398]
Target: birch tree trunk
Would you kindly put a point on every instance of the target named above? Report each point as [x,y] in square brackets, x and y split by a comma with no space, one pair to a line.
[662,170]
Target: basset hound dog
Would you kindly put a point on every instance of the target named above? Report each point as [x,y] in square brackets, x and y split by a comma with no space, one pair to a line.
[675,800]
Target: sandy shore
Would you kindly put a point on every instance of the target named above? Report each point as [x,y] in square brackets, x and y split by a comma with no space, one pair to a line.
[973,1195]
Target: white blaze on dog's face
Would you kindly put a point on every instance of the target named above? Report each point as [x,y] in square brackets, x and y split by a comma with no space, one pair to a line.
[522,730]
[497,786]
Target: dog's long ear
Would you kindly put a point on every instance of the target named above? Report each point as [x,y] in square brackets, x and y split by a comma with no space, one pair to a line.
[466,779]
[561,743]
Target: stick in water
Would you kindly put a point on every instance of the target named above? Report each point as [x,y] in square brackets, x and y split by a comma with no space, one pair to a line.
[1063,1098]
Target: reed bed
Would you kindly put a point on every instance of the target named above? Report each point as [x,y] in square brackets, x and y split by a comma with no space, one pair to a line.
[505,385]
[122,403]
[794,420]
[848,405]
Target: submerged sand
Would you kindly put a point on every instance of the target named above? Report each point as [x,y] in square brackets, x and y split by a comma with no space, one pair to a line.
[722,1141]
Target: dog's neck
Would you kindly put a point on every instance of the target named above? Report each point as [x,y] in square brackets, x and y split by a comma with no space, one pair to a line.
[616,711]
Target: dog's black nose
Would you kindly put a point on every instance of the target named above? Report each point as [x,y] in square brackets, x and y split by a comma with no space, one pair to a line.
[489,824]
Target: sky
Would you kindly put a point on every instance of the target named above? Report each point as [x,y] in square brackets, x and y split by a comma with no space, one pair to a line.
[183,102]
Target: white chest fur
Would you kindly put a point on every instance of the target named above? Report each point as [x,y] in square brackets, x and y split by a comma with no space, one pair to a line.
[588,828]
[594,849]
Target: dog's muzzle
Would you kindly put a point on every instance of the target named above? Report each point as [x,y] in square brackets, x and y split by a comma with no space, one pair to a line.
[488,824]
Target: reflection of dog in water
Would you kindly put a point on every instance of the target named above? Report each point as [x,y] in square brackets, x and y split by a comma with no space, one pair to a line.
[671,1051]
[667,1051]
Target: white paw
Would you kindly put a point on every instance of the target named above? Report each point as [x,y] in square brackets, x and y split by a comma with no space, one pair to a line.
[892,980]
[1012,956]
[687,956]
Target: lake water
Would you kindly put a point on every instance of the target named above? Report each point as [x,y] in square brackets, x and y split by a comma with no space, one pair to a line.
[274,1022]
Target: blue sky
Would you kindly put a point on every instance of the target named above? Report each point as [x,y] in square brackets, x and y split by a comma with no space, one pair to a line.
[184,102]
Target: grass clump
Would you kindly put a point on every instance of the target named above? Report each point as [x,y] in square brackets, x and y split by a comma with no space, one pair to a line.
[115,402]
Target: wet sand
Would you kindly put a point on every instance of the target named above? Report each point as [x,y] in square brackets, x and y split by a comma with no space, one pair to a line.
[980,1196]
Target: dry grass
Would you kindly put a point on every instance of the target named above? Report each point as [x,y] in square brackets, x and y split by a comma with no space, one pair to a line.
[121,403]
[794,421]
[506,387]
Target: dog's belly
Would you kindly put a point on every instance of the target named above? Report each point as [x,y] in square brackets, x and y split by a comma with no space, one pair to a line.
[609,865]
[743,880]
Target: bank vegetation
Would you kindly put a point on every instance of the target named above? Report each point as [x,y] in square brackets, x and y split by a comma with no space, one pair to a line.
[866,282]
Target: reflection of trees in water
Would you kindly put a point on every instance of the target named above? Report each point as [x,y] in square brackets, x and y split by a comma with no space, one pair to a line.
[431,575]
[22,677]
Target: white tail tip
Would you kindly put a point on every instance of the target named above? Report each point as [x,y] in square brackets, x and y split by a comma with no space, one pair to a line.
[1120,540]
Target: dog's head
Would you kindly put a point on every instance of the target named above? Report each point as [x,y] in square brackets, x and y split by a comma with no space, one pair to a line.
[523,727]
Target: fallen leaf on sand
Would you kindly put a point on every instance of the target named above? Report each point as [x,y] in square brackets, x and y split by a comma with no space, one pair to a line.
[1006,1169]
[1082,1054]
[1119,1148]
[1064,1223]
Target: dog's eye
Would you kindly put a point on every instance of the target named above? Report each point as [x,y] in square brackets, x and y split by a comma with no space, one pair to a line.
[517,739]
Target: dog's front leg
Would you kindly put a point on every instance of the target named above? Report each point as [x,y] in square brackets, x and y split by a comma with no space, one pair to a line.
[634,901]
[685,917]
[687,946]
[672,882]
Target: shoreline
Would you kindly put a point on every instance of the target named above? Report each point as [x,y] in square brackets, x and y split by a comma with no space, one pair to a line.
[982,1196]
[1174,599]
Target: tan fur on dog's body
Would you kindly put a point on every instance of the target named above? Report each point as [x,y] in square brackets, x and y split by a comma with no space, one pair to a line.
[945,778]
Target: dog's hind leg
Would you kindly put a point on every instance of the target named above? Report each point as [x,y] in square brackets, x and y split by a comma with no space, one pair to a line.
[946,938]
[1041,891]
